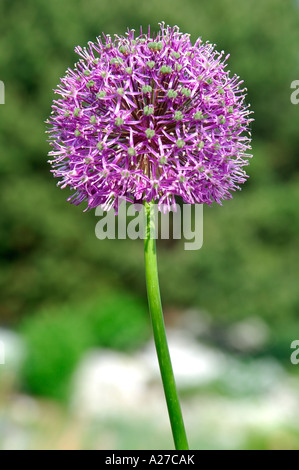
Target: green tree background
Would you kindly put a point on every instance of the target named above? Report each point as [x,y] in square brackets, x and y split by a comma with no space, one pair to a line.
[52,265]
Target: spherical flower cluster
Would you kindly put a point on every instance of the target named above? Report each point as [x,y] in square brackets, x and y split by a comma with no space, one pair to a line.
[149,118]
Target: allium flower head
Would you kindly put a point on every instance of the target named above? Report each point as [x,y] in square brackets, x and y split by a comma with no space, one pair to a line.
[149,118]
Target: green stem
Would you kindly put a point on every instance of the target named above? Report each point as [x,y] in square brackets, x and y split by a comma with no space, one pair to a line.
[155,307]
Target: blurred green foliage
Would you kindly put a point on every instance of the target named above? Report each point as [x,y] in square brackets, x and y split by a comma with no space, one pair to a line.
[56,339]
[49,253]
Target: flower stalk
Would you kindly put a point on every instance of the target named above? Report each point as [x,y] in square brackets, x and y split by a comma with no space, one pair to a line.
[146,119]
[156,313]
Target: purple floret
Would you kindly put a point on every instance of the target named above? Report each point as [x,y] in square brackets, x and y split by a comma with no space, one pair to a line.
[149,118]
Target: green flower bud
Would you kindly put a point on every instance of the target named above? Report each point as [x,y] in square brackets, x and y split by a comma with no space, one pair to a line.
[150,64]
[156,46]
[178,116]
[148,110]
[116,61]
[76,112]
[101,94]
[198,116]
[131,151]
[178,67]
[165,69]
[172,94]
[175,54]
[186,92]
[119,121]
[150,133]
[93,120]
[146,89]
[180,143]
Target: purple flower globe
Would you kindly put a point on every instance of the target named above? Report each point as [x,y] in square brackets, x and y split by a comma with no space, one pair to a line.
[149,118]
